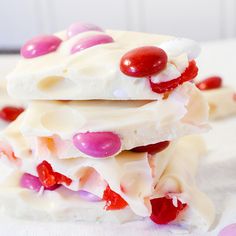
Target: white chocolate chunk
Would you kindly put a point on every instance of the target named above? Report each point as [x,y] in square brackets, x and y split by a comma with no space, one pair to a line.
[94,73]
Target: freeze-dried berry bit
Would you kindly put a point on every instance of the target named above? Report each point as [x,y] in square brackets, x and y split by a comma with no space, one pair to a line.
[152,148]
[10,113]
[189,74]
[49,178]
[164,211]
[113,200]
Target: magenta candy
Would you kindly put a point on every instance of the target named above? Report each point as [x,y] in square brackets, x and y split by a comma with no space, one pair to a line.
[91,41]
[87,196]
[30,181]
[80,27]
[33,183]
[40,46]
[97,144]
[229,230]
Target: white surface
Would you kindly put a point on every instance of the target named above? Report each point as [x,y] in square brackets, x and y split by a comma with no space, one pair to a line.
[217,176]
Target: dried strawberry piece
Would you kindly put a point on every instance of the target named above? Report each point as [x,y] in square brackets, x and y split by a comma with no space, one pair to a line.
[152,148]
[189,74]
[164,211]
[113,200]
[49,178]
[213,82]
[10,113]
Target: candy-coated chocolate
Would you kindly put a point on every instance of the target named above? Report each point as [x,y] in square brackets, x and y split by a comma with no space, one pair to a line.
[40,46]
[213,82]
[91,41]
[97,144]
[30,182]
[87,196]
[229,230]
[80,27]
[143,61]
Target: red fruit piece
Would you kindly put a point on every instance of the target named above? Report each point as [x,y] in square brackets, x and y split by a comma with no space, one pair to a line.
[10,113]
[152,148]
[113,200]
[210,83]
[49,178]
[143,61]
[189,74]
[163,210]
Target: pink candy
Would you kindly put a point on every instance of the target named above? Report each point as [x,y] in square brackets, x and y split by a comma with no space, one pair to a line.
[80,27]
[91,41]
[40,45]
[97,144]
[30,181]
[229,230]
[87,196]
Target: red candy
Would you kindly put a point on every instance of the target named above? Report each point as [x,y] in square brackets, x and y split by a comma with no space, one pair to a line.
[189,74]
[210,83]
[143,61]
[163,210]
[152,148]
[49,178]
[10,113]
[113,200]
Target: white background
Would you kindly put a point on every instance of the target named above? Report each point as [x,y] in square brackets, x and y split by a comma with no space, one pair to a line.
[201,20]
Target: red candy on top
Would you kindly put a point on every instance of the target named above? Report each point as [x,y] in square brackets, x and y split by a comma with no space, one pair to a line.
[49,178]
[210,83]
[152,148]
[10,113]
[189,74]
[113,200]
[143,61]
[163,210]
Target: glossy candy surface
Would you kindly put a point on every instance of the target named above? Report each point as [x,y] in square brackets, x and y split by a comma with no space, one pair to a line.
[80,27]
[213,82]
[30,182]
[143,61]
[164,211]
[91,41]
[97,144]
[40,46]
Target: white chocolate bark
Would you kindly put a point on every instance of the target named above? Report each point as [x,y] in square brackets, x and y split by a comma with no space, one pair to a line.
[177,179]
[137,123]
[222,102]
[94,73]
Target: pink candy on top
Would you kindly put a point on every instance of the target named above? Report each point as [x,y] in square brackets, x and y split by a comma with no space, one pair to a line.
[97,144]
[90,41]
[40,46]
[80,27]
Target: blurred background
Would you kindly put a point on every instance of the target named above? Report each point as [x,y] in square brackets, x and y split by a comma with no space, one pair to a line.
[202,20]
